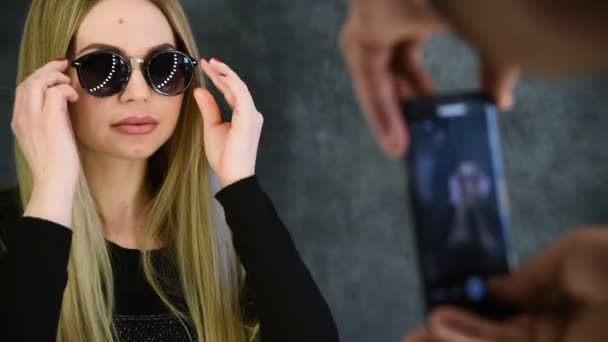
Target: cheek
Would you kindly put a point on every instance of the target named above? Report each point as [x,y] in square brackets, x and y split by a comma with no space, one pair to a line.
[86,117]
[77,109]
[170,108]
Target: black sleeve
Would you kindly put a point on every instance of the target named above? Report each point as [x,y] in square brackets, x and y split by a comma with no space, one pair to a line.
[33,276]
[288,303]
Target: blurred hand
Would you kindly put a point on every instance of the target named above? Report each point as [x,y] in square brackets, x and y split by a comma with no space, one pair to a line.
[231,147]
[563,292]
[382,42]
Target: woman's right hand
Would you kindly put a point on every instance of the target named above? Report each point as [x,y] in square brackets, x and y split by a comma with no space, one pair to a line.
[42,128]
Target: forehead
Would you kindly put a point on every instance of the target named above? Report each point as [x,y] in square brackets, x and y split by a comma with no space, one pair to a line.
[131,25]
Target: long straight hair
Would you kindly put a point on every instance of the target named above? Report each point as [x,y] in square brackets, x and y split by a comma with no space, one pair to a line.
[180,213]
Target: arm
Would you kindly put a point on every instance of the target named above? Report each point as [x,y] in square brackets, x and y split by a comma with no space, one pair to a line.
[33,272]
[34,276]
[289,305]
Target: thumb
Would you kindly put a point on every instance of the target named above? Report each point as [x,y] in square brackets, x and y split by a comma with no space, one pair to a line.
[70,94]
[499,81]
[573,267]
[209,109]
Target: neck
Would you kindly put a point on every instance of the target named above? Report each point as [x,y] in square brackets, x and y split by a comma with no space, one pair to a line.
[118,187]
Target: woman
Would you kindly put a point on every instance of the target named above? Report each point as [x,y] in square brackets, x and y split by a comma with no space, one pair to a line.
[116,239]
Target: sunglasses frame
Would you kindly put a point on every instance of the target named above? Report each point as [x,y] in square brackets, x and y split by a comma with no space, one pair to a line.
[78,63]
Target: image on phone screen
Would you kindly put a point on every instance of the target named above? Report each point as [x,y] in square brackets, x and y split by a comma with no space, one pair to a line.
[459,199]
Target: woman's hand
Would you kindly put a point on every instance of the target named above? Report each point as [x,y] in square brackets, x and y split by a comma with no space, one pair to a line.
[42,128]
[231,147]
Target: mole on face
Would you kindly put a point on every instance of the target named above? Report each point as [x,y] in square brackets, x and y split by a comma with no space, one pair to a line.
[121,21]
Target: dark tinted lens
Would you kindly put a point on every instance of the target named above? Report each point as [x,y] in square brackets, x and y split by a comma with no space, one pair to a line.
[103,74]
[170,72]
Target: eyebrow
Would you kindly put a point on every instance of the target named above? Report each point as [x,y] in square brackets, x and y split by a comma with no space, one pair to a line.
[121,51]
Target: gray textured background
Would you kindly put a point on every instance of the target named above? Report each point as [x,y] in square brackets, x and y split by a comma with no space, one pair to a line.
[344,203]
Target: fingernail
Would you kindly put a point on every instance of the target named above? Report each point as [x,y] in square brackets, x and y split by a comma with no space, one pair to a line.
[217,59]
[505,102]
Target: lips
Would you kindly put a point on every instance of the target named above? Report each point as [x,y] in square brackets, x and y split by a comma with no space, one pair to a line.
[140,124]
[136,120]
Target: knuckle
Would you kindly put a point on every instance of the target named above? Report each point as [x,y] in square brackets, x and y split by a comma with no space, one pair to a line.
[25,85]
[34,78]
[16,124]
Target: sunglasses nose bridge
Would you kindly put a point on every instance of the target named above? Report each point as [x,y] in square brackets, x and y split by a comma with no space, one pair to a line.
[134,62]
[137,61]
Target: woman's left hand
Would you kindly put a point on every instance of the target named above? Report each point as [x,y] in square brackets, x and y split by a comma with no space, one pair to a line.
[231,147]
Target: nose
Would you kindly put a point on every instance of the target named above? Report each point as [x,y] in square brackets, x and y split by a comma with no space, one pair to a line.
[137,89]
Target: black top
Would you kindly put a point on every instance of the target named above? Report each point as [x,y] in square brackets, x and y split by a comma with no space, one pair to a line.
[282,294]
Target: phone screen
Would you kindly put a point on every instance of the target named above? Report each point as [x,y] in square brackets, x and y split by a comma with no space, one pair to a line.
[459,199]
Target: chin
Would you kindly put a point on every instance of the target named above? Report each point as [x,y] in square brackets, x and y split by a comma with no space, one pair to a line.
[136,153]
[136,147]
[132,150]
[123,146]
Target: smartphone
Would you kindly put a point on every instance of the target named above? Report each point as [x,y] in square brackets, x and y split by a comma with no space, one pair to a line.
[459,200]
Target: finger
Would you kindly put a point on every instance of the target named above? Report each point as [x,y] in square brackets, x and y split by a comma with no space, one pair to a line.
[54,65]
[544,280]
[49,78]
[36,86]
[218,82]
[457,325]
[499,82]
[377,93]
[18,115]
[69,92]
[409,64]
[403,22]
[239,89]
[209,109]
[222,67]
[587,325]
[404,89]
[421,335]
[57,97]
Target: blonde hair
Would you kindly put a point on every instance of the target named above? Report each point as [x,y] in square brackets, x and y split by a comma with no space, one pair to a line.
[179,214]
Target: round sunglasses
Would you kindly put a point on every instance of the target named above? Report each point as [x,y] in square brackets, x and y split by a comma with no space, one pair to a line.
[106,73]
